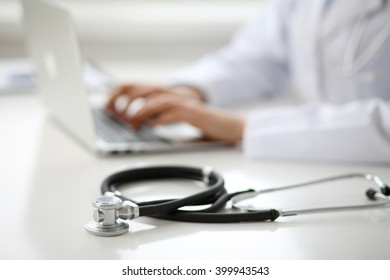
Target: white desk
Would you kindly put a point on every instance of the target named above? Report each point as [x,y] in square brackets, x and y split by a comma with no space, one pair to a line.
[48,180]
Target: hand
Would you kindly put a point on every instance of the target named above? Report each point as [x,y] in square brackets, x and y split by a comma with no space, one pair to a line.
[135,91]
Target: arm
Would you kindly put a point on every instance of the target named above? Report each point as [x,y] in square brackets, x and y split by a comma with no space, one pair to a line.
[358,131]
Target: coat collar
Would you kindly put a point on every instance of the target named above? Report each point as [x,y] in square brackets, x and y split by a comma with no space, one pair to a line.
[341,12]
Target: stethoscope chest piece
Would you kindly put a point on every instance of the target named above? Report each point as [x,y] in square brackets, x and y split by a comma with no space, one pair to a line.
[105,218]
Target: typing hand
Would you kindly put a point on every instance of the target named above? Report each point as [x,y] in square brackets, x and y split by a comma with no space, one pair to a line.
[163,105]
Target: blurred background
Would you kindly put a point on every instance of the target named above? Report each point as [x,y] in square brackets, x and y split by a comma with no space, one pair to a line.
[139,39]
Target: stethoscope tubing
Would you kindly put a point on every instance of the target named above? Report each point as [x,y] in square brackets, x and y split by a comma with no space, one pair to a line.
[214,197]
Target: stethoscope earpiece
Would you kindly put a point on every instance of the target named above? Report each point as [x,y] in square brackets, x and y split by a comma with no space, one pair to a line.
[385,190]
[371,194]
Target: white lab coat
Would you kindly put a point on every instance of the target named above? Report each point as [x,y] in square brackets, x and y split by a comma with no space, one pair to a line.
[306,46]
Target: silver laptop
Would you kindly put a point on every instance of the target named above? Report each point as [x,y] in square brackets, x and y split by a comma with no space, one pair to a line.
[54,48]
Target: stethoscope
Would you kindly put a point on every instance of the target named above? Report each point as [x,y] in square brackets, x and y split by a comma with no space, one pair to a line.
[113,207]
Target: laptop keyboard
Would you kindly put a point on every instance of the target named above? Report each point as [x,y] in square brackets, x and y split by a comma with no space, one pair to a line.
[116,131]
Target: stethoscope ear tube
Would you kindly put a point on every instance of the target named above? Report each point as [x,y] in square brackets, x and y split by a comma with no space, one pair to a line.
[383,194]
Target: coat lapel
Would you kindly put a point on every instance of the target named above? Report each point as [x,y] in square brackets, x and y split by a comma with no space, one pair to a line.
[342,12]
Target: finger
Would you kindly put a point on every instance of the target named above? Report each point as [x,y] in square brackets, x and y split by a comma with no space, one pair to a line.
[150,110]
[132,91]
[145,92]
[117,92]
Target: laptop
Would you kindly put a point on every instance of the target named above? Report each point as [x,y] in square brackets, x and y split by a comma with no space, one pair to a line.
[53,45]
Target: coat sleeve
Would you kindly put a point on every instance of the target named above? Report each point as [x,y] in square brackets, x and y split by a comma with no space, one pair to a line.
[358,131]
[251,67]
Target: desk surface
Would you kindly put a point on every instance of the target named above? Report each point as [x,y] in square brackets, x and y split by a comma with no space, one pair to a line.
[48,182]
